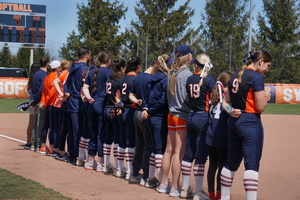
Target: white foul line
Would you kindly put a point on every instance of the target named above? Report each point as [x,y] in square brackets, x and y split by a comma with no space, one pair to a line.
[12,139]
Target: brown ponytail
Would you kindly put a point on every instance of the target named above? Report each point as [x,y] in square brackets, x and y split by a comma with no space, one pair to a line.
[102,58]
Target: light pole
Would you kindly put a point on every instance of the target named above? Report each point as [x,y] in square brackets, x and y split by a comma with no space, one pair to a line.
[250,28]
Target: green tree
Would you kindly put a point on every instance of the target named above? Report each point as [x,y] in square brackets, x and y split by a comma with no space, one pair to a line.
[97,28]
[162,24]
[279,34]
[5,56]
[224,33]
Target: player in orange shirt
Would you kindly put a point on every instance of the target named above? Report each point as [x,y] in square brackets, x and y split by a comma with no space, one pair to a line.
[60,111]
[48,98]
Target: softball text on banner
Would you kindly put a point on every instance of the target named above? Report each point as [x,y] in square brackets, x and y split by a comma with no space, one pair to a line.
[13,87]
[283,93]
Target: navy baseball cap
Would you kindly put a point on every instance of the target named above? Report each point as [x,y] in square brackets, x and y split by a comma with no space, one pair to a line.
[170,62]
[182,50]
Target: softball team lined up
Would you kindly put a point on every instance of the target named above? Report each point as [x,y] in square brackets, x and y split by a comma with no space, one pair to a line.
[166,118]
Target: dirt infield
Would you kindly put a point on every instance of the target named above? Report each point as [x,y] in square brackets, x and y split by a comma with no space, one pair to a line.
[279,175]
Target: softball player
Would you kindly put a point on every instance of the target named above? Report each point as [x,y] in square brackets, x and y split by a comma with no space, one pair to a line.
[216,137]
[244,102]
[156,110]
[94,91]
[176,139]
[48,98]
[112,125]
[199,87]
[143,141]
[127,129]
[60,107]
[72,89]
[35,97]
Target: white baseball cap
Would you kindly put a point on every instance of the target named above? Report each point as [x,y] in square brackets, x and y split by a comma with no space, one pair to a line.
[55,64]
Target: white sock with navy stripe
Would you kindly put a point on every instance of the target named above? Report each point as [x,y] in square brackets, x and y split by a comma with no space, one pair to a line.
[129,152]
[116,155]
[226,183]
[251,184]
[199,176]
[186,168]
[106,153]
[158,160]
[83,145]
[152,166]
[121,156]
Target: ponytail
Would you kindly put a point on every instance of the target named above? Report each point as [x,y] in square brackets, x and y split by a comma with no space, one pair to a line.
[102,58]
[219,90]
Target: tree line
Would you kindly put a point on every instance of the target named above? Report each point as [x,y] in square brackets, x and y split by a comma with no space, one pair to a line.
[223,33]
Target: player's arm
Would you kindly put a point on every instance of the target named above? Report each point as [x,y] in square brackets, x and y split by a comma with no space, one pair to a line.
[56,85]
[260,100]
[86,93]
[119,103]
[226,104]
[133,99]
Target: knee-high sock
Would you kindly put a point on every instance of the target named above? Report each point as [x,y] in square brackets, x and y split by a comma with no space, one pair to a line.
[129,152]
[226,183]
[199,176]
[106,153]
[158,160]
[83,145]
[186,173]
[121,156]
[152,166]
[251,184]
[116,155]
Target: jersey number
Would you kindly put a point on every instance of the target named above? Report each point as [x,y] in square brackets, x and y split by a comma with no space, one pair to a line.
[194,88]
[235,83]
[215,111]
[124,88]
[108,88]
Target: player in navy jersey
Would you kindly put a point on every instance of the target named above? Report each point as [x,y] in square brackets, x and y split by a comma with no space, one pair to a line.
[244,102]
[72,89]
[216,137]
[156,110]
[85,138]
[94,89]
[127,133]
[111,119]
[199,87]
[139,94]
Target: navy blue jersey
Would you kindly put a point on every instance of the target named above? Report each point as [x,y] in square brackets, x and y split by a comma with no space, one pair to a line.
[243,97]
[111,91]
[199,102]
[217,131]
[102,76]
[37,86]
[157,102]
[73,85]
[141,87]
[125,85]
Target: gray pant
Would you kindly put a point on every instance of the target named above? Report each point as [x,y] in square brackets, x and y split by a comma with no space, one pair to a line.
[37,126]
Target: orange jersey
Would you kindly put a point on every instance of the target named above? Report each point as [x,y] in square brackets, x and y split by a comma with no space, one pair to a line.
[62,79]
[49,93]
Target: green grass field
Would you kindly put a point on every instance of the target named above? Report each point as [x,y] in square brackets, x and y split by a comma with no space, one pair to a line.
[9,106]
[16,187]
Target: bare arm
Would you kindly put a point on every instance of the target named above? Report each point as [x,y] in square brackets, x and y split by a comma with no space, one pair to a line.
[226,104]
[260,100]
[86,92]
[133,98]
[56,85]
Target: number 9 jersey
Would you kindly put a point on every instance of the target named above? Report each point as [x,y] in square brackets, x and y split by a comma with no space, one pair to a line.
[242,97]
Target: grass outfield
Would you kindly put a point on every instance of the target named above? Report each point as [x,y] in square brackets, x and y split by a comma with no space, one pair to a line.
[16,187]
[9,106]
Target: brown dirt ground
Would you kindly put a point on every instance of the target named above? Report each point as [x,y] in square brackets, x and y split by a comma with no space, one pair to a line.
[278,179]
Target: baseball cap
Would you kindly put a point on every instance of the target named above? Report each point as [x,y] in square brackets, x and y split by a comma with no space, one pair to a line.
[170,62]
[182,50]
[54,64]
